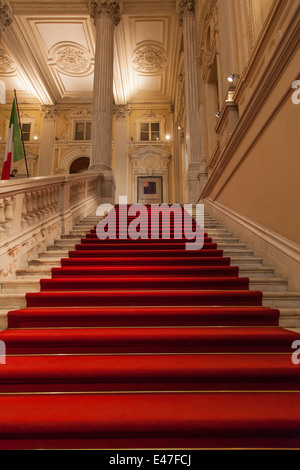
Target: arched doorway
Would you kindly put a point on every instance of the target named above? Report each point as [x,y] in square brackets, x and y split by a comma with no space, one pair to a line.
[79,165]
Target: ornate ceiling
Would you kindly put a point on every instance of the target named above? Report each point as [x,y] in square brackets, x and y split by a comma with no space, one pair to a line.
[47,54]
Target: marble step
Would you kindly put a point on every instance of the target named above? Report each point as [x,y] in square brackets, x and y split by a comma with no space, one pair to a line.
[289,299]
[273,284]
[70,244]
[12,301]
[231,252]
[3,319]
[20,286]
[40,262]
[33,285]
[42,271]
[289,317]
[54,253]
[257,271]
[246,260]
[218,231]
[233,245]
[62,246]
[34,272]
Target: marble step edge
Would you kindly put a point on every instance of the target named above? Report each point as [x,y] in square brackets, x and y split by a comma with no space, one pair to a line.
[33,285]
[258,271]
[226,252]
[71,246]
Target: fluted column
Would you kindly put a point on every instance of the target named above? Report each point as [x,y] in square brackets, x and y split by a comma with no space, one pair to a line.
[193,140]
[49,114]
[6,17]
[121,159]
[106,14]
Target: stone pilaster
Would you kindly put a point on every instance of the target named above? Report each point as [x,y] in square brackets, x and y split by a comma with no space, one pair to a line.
[6,17]
[193,140]
[49,114]
[106,14]
[121,159]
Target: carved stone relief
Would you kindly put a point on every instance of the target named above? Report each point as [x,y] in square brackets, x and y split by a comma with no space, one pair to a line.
[71,59]
[7,64]
[49,112]
[149,59]
[6,17]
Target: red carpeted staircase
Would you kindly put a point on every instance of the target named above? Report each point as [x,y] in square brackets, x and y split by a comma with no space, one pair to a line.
[144,344]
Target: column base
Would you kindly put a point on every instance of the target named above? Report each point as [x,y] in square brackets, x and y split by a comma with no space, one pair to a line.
[192,184]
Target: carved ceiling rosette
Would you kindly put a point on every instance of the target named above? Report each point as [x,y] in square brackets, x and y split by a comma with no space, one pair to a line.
[6,17]
[7,65]
[149,59]
[71,59]
[106,8]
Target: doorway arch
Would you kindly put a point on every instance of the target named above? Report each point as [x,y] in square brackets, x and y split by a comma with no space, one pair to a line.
[79,165]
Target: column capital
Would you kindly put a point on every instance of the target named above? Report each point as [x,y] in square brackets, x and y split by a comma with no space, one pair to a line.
[6,17]
[121,111]
[105,8]
[185,8]
[49,112]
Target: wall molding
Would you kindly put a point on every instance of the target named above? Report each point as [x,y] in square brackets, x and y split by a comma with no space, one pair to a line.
[285,49]
[276,250]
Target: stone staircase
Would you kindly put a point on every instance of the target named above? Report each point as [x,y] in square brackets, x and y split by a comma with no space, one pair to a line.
[275,290]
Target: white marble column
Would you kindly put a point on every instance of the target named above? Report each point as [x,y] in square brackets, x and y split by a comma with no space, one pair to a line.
[106,14]
[121,158]
[49,114]
[6,17]
[193,139]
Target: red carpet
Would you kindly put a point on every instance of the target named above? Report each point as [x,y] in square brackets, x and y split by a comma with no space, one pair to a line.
[144,344]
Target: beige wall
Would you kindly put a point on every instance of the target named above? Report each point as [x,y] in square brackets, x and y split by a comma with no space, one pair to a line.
[266,187]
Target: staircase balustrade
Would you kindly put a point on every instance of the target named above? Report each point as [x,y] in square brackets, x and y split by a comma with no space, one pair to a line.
[36,210]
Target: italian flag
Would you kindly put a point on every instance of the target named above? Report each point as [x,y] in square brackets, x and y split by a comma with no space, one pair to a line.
[14,148]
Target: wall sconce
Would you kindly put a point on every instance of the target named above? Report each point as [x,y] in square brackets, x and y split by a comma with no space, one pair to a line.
[168,137]
[218,113]
[232,77]
[35,137]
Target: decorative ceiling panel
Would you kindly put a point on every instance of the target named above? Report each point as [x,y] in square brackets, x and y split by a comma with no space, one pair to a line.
[52,32]
[149,83]
[149,31]
[52,46]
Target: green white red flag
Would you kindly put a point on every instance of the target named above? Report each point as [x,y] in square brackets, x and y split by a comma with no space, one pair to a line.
[14,148]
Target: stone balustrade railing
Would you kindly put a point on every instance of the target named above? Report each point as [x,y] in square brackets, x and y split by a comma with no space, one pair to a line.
[35,211]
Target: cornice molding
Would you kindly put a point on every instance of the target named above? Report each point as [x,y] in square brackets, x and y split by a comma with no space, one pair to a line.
[148,6]
[39,8]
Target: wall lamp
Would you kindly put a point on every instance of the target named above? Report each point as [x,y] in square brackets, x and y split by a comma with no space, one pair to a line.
[218,113]
[232,77]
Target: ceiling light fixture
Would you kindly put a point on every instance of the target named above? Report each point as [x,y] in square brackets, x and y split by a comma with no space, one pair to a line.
[232,77]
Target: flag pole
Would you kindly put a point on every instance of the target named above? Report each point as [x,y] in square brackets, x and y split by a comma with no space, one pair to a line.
[20,127]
